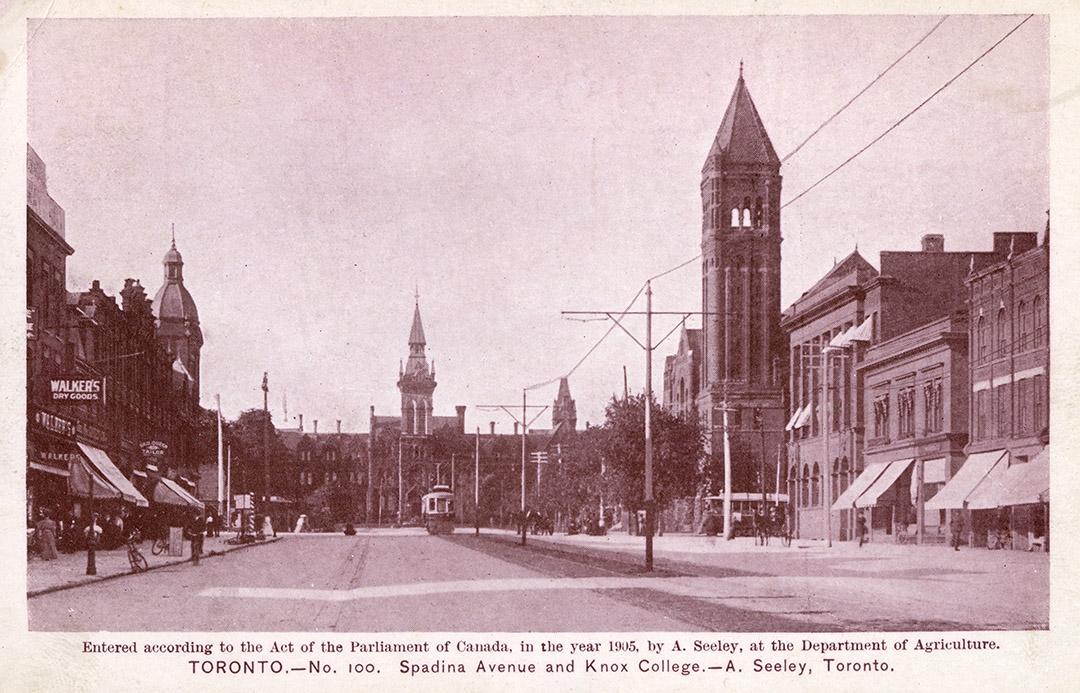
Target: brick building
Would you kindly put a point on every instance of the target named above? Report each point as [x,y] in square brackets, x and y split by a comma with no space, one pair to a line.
[108,408]
[853,307]
[1004,484]
[681,374]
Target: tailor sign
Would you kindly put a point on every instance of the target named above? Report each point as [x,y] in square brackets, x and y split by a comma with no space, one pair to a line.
[76,390]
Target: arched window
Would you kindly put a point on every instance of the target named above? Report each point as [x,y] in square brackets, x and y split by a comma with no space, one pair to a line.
[815,486]
[759,214]
[793,484]
[845,471]
[804,489]
[980,337]
[746,214]
[1025,326]
[1038,332]
[835,480]
[734,217]
[1003,334]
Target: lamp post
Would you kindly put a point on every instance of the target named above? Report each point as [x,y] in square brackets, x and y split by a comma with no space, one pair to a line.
[266,446]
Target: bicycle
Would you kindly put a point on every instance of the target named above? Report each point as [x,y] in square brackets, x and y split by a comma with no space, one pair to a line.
[160,546]
[135,557]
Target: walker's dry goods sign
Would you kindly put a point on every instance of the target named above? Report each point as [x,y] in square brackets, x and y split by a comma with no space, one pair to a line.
[76,389]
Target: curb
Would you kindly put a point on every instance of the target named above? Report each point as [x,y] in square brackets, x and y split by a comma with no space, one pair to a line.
[103,578]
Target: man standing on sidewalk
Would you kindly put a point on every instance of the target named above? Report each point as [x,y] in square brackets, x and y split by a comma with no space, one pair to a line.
[956,526]
[860,527]
[196,528]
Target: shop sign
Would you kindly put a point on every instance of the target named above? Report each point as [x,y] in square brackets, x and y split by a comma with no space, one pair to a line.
[62,459]
[77,390]
[153,448]
[54,424]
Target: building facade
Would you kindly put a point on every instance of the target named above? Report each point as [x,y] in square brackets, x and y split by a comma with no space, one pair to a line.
[830,328]
[682,374]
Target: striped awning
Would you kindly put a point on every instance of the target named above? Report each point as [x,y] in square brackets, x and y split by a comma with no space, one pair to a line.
[964,483]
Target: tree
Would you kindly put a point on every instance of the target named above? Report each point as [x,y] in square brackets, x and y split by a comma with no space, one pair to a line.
[678,447]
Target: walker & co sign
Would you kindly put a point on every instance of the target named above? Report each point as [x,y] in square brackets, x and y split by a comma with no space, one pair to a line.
[76,389]
[54,424]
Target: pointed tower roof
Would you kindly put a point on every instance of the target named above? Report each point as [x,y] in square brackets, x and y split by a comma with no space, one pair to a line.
[741,138]
[416,334]
[564,388]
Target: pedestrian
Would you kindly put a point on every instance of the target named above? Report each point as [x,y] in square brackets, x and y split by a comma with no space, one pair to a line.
[92,531]
[860,527]
[268,526]
[210,525]
[195,531]
[956,526]
[45,535]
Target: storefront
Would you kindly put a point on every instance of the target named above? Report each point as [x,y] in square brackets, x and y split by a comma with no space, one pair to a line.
[980,470]
[1012,505]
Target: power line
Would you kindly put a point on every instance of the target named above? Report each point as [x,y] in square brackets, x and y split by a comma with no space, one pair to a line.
[910,113]
[864,89]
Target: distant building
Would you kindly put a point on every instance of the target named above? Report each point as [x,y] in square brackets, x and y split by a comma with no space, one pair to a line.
[178,318]
[563,409]
[682,375]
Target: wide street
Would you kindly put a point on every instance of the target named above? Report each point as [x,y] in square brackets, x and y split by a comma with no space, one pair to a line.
[405,580]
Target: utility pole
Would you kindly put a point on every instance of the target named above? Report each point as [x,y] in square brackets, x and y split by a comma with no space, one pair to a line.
[650,510]
[825,430]
[525,422]
[266,445]
[648,347]
[400,489]
[476,484]
[759,424]
[220,462]
[729,528]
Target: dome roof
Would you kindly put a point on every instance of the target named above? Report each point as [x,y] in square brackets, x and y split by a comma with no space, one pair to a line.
[173,301]
[173,255]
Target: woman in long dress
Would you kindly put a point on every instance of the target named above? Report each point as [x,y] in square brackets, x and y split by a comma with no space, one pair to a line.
[45,532]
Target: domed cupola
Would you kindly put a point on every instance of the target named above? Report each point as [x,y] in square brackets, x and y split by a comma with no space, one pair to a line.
[176,314]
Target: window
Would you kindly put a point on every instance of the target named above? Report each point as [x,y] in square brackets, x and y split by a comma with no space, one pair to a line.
[1023,397]
[815,486]
[804,492]
[1003,334]
[29,278]
[746,216]
[881,416]
[933,410]
[759,214]
[905,405]
[734,217]
[983,337]
[1001,395]
[1025,326]
[1038,333]
[1038,408]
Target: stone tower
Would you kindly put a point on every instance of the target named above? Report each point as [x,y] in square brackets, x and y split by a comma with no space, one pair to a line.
[563,410]
[416,382]
[740,246]
[177,317]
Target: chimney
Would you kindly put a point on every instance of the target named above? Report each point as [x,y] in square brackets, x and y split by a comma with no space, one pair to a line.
[492,425]
[339,426]
[301,422]
[316,424]
[515,428]
[460,417]
[933,243]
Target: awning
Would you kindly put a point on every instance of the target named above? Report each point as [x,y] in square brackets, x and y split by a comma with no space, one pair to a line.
[966,481]
[82,476]
[1019,484]
[862,333]
[804,418]
[862,482]
[49,469]
[115,477]
[793,419]
[883,483]
[168,492]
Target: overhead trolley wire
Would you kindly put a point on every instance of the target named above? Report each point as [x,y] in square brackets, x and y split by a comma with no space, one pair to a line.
[865,89]
[910,113]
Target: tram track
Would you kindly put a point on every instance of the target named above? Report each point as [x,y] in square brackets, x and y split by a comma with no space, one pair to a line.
[346,577]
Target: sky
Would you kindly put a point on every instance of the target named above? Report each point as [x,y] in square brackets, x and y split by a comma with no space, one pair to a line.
[319,172]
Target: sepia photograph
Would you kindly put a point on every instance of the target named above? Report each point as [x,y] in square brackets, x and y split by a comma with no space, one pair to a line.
[539,324]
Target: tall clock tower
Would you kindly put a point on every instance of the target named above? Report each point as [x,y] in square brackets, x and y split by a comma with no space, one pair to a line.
[740,278]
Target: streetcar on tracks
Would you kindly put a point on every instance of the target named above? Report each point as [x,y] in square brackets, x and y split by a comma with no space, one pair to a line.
[437,508]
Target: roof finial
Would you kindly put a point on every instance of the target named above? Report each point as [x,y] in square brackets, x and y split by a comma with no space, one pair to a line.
[172,230]
[740,69]
[416,295]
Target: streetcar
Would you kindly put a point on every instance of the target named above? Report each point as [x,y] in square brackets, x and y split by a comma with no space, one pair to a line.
[743,506]
[437,508]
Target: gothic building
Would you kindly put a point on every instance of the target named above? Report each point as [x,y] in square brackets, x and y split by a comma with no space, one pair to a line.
[178,319]
[742,342]
[563,410]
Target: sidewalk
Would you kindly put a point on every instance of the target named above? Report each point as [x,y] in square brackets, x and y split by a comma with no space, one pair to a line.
[894,583]
[69,569]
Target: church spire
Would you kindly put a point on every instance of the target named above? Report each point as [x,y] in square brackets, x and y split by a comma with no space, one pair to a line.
[741,138]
